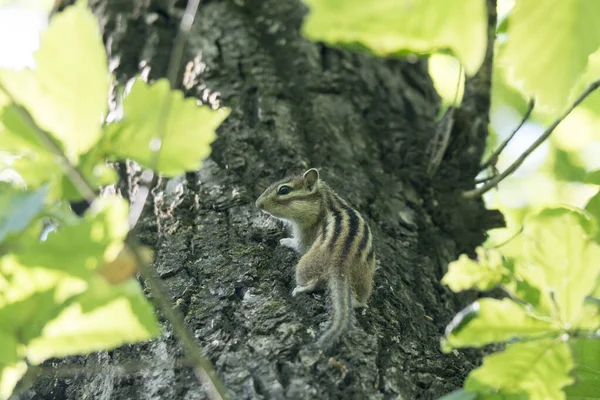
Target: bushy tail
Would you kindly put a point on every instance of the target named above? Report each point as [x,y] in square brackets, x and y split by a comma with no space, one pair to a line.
[341,299]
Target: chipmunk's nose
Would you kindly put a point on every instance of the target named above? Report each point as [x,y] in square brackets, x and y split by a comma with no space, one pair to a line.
[259,203]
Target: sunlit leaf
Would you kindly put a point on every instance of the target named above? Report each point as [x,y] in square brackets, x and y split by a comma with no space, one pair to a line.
[593,207]
[81,248]
[559,246]
[9,376]
[573,32]
[67,93]
[18,283]
[388,27]
[8,347]
[26,318]
[484,274]
[587,370]
[104,317]
[593,177]
[566,168]
[188,131]
[490,320]
[18,208]
[539,368]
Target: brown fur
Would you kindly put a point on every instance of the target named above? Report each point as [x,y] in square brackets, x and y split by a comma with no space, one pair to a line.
[335,243]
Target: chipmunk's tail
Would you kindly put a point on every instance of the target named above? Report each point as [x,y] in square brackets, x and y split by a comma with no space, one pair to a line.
[341,299]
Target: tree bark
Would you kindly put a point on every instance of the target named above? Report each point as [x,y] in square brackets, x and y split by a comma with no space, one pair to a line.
[366,123]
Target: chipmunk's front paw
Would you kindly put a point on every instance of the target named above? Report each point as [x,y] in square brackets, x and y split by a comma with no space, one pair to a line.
[288,242]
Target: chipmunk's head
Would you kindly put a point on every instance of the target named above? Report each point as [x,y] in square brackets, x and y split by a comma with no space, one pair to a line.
[295,198]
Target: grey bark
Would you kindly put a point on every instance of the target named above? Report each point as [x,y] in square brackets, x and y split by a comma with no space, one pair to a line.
[366,122]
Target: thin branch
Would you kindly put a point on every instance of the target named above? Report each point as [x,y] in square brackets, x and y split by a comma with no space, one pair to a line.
[492,159]
[202,367]
[83,187]
[496,180]
[185,27]
[483,180]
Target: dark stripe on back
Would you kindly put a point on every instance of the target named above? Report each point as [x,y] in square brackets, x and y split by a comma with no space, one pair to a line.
[365,239]
[352,229]
[338,223]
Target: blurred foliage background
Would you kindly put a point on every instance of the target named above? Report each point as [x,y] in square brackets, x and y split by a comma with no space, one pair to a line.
[555,173]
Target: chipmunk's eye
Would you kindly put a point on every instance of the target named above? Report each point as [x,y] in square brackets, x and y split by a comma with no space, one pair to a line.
[284,190]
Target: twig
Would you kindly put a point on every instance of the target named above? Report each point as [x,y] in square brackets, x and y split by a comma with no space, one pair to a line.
[85,190]
[202,367]
[185,27]
[493,158]
[494,182]
[483,180]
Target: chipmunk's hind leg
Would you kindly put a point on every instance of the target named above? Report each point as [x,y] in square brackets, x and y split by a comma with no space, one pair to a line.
[310,274]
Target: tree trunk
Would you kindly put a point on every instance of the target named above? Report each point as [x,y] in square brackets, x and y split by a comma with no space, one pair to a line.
[367,124]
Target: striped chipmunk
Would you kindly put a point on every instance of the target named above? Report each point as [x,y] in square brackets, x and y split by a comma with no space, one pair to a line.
[334,240]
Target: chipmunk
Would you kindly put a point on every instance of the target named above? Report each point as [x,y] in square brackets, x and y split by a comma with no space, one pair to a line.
[334,240]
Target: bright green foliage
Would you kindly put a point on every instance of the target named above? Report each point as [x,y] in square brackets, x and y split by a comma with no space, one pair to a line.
[67,93]
[548,47]
[18,209]
[72,292]
[484,274]
[189,129]
[593,207]
[559,247]
[593,177]
[551,280]
[81,248]
[490,320]
[388,27]
[103,317]
[51,302]
[587,359]
[538,368]
[10,374]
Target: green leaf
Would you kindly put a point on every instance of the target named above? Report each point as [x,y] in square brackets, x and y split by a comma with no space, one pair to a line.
[593,207]
[18,209]
[9,376]
[566,168]
[587,370]
[102,318]
[8,348]
[18,283]
[67,93]
[558,245]
[391,27]
[490,320]
[593,177]
[27,317]
[561,34]
[185,124]
[539,368]
[81,248]
[483,274]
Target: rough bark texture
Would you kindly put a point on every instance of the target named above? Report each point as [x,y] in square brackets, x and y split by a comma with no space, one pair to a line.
[366,123]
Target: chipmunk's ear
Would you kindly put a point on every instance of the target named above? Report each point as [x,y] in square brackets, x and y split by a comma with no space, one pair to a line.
[311,177]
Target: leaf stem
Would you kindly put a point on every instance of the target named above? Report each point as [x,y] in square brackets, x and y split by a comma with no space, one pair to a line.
[478,192]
